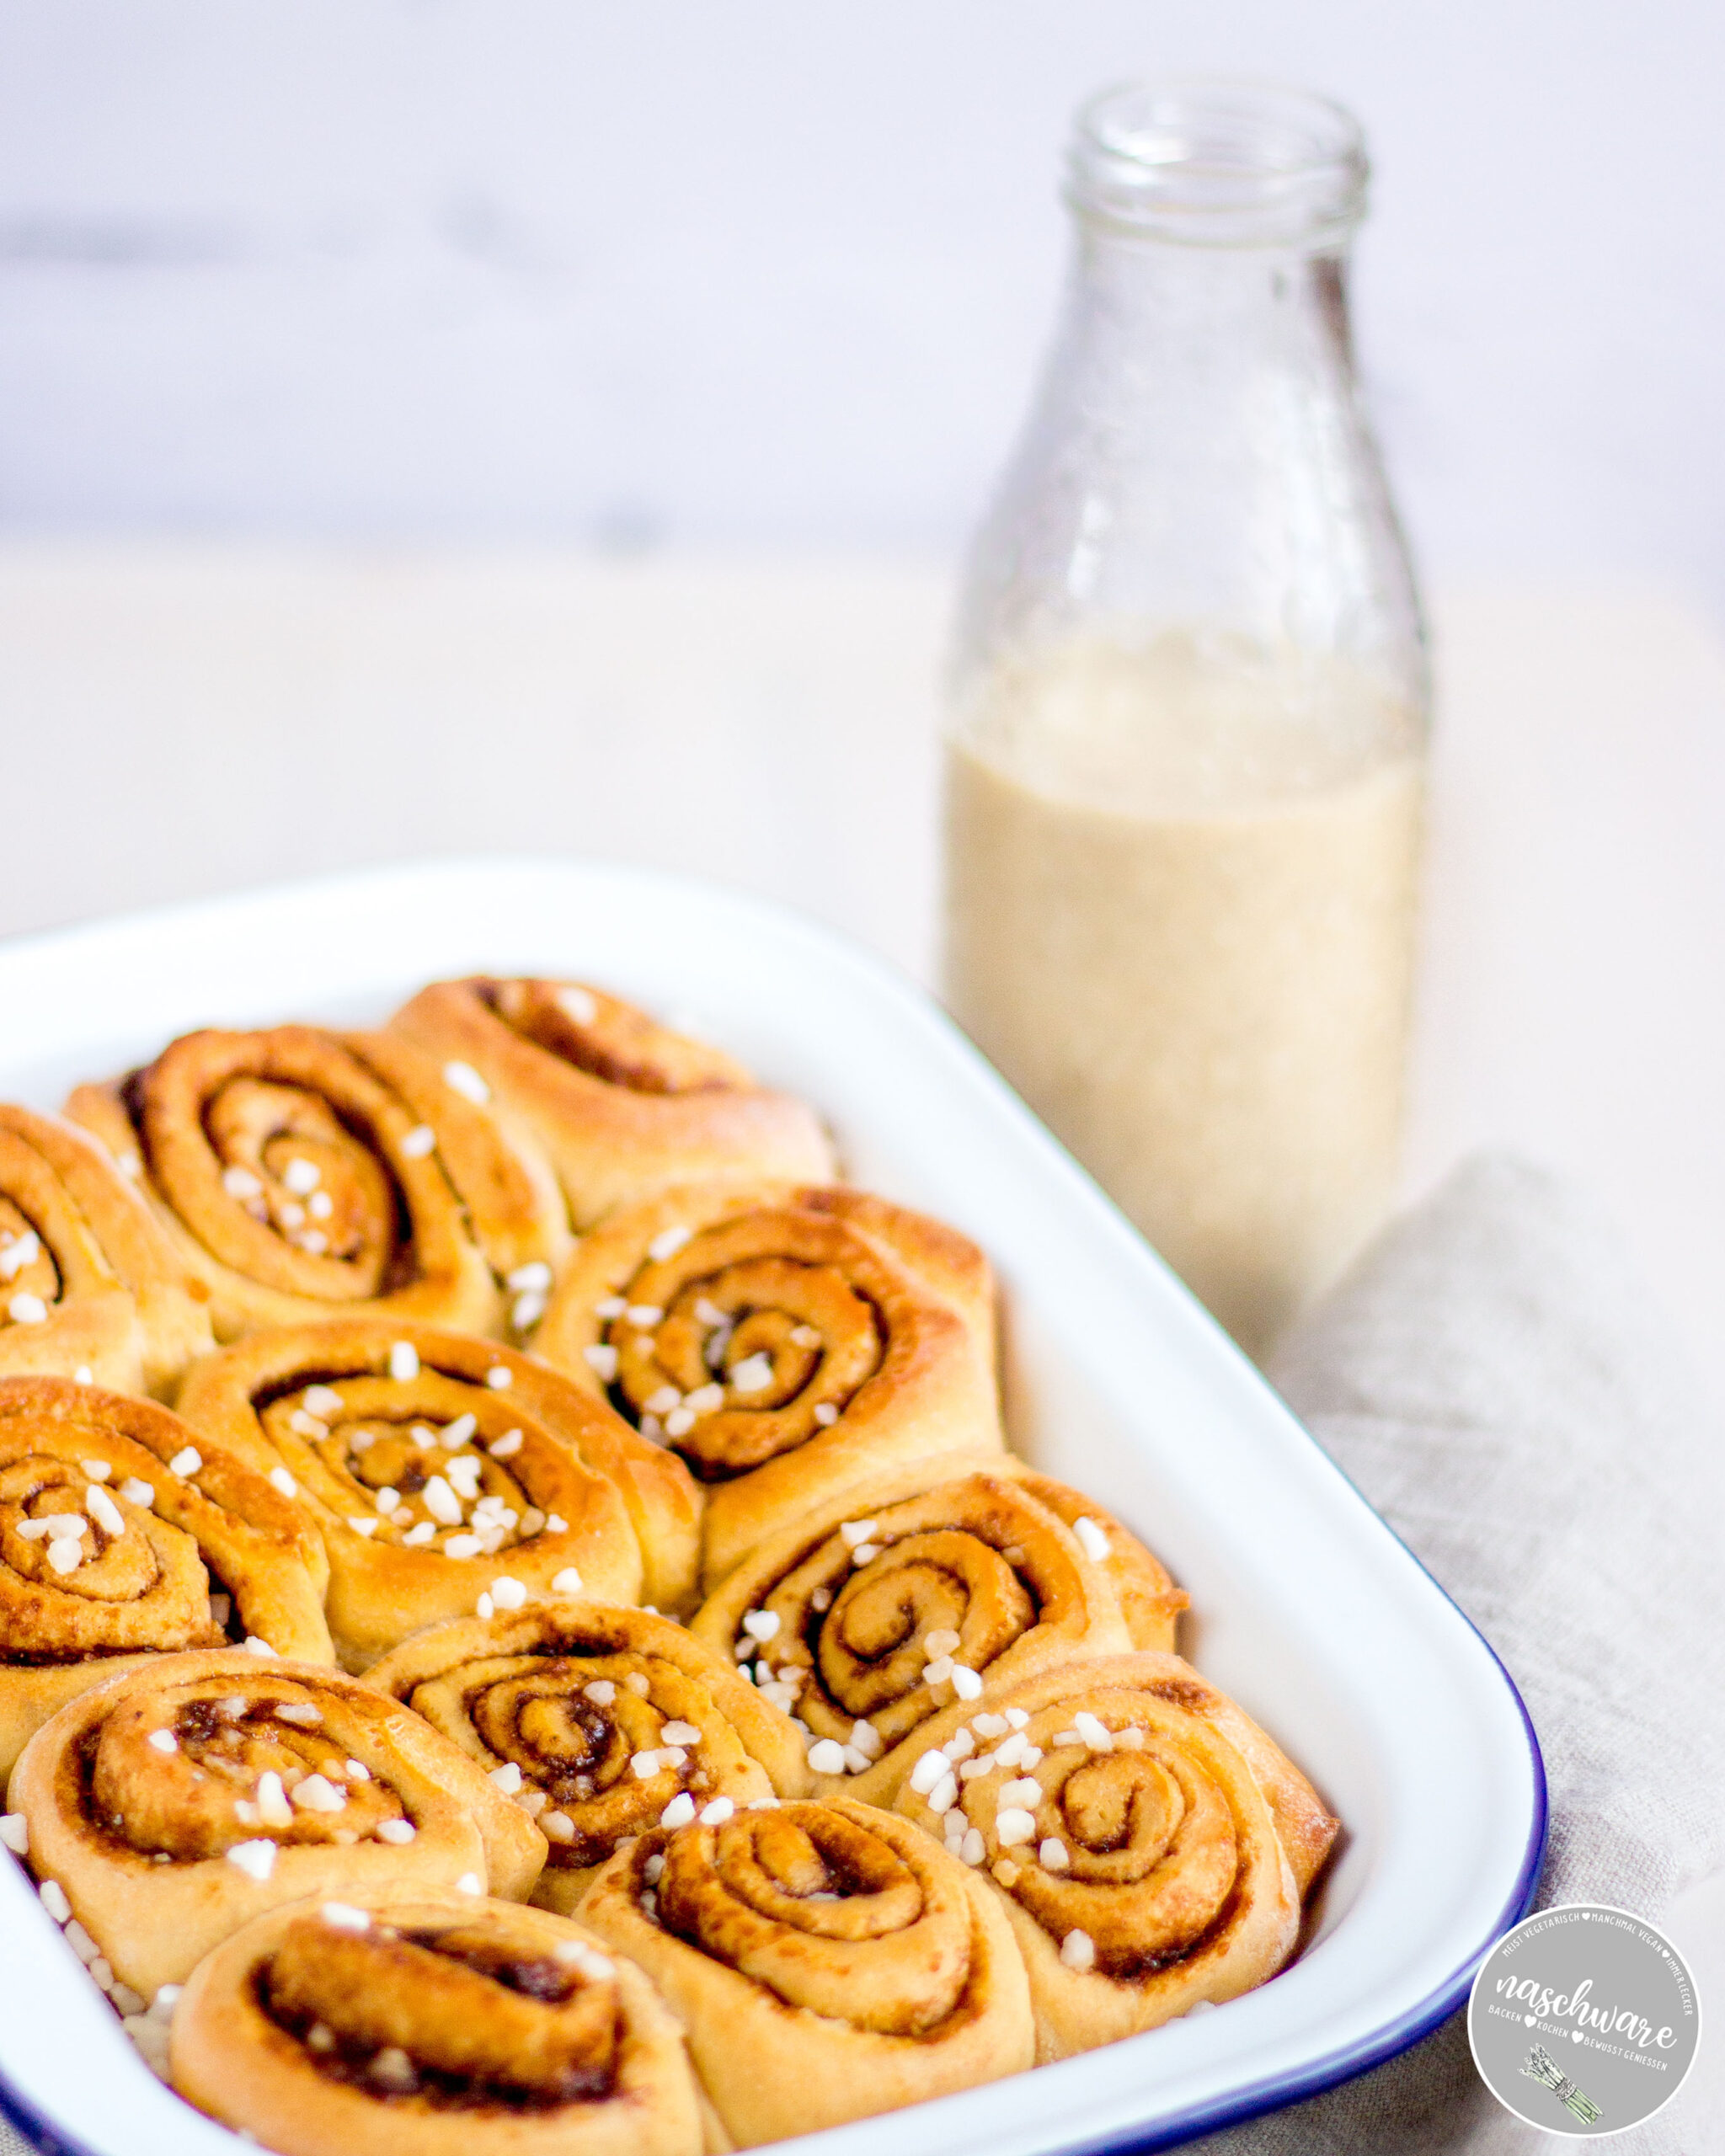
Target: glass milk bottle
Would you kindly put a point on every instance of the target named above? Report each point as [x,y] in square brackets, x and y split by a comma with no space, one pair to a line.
[1186,758]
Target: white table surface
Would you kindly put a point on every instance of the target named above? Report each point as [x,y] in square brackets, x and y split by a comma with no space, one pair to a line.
[176,721]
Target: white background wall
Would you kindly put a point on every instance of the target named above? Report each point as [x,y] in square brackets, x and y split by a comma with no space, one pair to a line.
[776,272]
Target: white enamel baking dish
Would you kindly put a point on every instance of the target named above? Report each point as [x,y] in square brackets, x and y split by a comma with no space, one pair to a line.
[1305,1608]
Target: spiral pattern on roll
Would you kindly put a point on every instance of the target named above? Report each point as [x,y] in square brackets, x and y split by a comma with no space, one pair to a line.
[891,1932]
[610,1039]
[123,1533]
[622,1105]
[900,1970]
[87,1282]
[783,1341]
[876,1618]
[177,1801]
[200,1796]
[1132,1837]
[301,1174]
[764,1323]
[436,1466]
[437,2023]
[477,2010]
[600,1719]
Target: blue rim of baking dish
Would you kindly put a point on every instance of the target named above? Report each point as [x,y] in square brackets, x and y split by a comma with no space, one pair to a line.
[1241,2104]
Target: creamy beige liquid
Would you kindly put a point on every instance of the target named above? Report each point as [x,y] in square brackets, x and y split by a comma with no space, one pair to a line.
[1181,908]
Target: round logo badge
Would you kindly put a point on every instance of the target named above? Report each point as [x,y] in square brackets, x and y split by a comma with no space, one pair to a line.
[1584,2021]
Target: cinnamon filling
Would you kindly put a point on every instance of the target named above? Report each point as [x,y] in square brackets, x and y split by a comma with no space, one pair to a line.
[191,1778]
[770,1324]
[973,1565]
[268,1146]
[828,1913]
[27,1265]
[609,1039]
[595,1771]
[142,1589]
[1154,1831]
[412,1458]
[454,2016]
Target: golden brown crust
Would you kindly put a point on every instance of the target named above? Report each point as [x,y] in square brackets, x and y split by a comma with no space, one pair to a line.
[922,1571]
[576,1698]
[434,2025]
[1149,1600]
[829,1962]
[140,1832]
[153,1543]
[808,1337]
[482,1473]
[87,1281]
[1139,1831]
[948,1264]
[623,1108]
[301,1174]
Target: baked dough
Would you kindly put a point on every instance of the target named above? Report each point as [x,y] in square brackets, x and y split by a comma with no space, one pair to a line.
[785,1340]
[126,1534]
[435,1466]
[435,2025]
[1149,1842]
[174,1803]
[87,1280]
[865,1618]
[605,1715]
[303,1174]
[829,1962]
[622,1107]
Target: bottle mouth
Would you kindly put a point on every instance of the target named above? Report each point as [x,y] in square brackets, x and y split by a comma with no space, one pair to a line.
[1217,161]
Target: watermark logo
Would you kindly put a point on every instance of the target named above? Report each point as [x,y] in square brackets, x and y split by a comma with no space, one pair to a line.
[1584,2021]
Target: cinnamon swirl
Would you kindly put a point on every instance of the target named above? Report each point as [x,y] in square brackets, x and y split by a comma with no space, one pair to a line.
[786,1342]
[88,1282]
[829,1962]
[123,1533]
[303,1174]
[175,1802]
[600,1718]
[433,2026]
[440,1469]
[884,1620]
[1149,1842]
[622,1107]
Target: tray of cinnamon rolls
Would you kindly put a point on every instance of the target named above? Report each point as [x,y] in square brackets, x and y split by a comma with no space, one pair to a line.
[606,1550]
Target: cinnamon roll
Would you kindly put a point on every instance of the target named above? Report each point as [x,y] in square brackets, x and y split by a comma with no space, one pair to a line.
[88,1282]
[828,1960]
[125,1534]
[598,1719]
[303,1174]
[440,1471]
[882,1620]
[622,1107]
[436,2025]
[786,1342]
[1149,1842]
[174,1803]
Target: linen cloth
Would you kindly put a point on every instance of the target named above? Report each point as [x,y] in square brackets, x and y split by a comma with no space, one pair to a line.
[1494,1378]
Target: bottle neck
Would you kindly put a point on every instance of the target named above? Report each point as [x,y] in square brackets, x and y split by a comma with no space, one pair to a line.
[1198,459]
[1197,481]
[1213,223]
[1220,166]
[1140,308]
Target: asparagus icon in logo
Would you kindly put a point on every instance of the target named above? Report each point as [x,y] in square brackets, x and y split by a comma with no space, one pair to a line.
[1542,2068]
